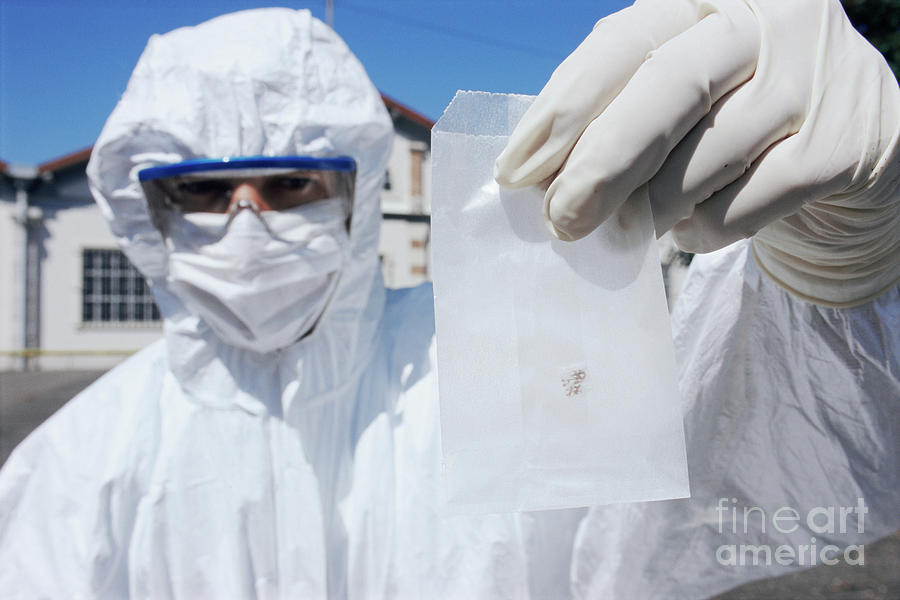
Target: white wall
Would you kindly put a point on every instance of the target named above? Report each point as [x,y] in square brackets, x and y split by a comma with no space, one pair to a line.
[399,198]
[11,241]
[404,253]
[404,244]
[68,231]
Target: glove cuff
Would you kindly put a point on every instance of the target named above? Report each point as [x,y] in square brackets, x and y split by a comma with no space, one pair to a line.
[834,287]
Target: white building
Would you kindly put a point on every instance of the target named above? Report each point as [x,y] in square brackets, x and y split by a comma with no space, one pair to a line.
[70,300]
[406,200]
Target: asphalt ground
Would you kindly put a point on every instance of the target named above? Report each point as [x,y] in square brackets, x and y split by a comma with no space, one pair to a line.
[28,399]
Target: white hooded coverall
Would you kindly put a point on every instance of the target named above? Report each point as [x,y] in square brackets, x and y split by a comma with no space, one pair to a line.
[198,470]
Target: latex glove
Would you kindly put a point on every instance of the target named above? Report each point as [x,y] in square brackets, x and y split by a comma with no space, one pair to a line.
[770,117]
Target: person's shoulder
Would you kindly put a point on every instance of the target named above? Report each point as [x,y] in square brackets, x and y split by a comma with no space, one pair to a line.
[77,479]
[143,371]
[124,399]
[134,381]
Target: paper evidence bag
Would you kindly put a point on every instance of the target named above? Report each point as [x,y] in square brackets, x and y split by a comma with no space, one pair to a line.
[556,369]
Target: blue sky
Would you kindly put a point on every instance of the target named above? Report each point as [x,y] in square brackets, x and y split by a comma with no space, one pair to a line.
[64,64]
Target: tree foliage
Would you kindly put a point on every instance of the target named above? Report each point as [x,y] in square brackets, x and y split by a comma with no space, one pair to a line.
[879,22]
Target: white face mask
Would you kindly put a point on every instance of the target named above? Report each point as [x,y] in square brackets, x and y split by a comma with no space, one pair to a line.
[263,284]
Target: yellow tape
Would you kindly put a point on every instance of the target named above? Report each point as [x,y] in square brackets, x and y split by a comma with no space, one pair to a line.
[35,352]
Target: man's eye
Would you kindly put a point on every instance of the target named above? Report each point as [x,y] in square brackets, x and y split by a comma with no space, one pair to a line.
[292,183]
[202,188]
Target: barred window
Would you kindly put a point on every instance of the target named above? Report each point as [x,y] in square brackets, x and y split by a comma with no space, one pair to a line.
[112,290]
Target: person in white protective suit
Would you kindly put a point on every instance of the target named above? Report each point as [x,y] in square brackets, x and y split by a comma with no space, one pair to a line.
[282,440]
[768,120]
[279,443]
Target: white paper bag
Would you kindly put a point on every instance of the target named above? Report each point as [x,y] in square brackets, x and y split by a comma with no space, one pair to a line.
[555,361]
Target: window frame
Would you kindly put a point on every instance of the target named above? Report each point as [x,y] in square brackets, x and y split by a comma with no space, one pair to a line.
[103,272]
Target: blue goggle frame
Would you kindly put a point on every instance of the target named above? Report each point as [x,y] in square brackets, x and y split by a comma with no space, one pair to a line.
[200,165]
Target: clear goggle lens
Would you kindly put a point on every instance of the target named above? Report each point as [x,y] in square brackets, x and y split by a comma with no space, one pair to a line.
[225,186]
[282,191]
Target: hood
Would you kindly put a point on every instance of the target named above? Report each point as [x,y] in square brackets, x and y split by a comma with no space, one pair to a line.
[269,82]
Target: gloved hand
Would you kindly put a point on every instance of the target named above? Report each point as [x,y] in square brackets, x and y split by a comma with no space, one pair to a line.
[771,118]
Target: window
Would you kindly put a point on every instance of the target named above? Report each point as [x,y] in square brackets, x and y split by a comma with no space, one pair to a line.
[387,180]
[112,290]
[416,158]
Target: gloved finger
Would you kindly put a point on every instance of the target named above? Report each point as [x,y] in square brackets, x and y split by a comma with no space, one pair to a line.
[778,184]
[721,147]
[673,89]
[743,124]
[584,84]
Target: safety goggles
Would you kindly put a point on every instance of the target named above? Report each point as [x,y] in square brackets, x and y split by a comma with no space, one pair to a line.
[258,183]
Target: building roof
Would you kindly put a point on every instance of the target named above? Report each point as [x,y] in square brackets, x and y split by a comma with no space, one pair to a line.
[63,162]
[82,156]
[395,108]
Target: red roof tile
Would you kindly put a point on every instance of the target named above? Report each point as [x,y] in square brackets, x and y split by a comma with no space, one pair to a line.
[407,112]
[69,160]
